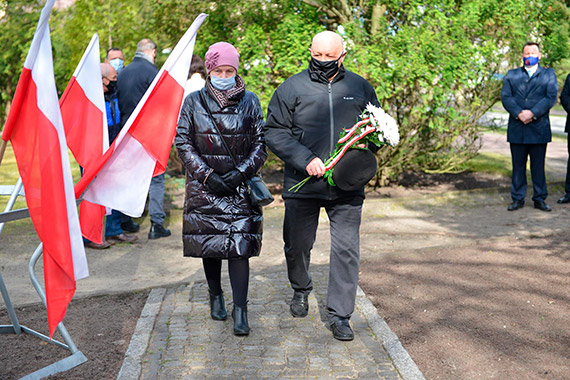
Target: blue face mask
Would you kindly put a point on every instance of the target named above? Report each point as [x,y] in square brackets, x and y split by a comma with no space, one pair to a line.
[223,84]
[530,61]
[117,64]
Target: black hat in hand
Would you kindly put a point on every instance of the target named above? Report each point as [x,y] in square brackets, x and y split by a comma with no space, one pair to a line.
[355,169]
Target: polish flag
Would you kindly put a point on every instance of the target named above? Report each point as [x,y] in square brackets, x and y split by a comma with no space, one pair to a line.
[35,129]
[83,111]
[141,149]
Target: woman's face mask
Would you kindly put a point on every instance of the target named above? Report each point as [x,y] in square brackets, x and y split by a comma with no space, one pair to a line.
[223,84]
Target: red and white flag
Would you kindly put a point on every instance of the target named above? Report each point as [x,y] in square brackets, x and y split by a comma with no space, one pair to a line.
[35,129]
[83,111]
[141,149]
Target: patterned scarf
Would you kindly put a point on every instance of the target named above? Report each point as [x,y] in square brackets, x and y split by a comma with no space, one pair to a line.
[229,97]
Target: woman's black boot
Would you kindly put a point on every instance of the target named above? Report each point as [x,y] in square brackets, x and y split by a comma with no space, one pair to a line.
[217,307]
[241,327]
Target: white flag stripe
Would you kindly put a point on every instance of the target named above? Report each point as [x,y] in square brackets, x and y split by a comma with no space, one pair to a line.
[130,163]
[85,71]
[41,29]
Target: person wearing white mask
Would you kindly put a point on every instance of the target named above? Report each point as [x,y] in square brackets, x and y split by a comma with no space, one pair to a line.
[221,145]
[528,94]
[116,59]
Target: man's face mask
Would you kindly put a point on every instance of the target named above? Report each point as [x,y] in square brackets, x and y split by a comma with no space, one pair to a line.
[117,64]
[327,69]
[530,61]
[112,86]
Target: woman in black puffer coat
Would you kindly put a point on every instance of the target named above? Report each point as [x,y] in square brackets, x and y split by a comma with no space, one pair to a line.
[219,220]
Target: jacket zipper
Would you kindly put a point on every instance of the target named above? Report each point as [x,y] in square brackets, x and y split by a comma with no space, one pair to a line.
[331,127]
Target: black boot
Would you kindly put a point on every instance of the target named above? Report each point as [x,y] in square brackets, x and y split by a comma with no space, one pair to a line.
[217,307]
[158,231]
[241,327]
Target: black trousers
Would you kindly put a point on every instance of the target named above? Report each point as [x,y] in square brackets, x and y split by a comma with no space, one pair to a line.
[519,154]
[567,183]
[299,233]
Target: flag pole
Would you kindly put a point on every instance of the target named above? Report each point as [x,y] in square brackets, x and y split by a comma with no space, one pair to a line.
[2,150]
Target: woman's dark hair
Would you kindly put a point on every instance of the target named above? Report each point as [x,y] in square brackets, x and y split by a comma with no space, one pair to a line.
[197,66]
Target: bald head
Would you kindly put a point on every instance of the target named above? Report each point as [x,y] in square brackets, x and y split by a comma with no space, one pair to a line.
[327,47]
[108,74]
[328,40]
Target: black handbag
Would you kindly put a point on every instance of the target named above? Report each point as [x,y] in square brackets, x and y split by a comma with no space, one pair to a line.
[258,192]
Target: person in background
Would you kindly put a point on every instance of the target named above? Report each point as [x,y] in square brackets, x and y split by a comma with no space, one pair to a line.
[528,94]
[114,231]
[219,221]
[565,101]
[132,83]
[116,59]
[197,76]
[305,117]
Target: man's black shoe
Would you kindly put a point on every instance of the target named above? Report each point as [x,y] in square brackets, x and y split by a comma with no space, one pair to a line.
[157,231]
[299,305]
[564,199]
[130,226]
[541,205]
[341,330]
[515,205]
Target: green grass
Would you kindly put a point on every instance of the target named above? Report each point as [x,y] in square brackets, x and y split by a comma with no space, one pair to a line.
[491,163]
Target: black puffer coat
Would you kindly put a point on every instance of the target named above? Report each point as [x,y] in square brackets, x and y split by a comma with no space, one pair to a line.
[220,227]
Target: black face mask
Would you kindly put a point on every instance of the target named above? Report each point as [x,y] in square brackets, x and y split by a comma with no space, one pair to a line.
[112,86]
[324,69]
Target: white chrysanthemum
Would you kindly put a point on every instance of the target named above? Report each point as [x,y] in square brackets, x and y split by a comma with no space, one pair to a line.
[384,123]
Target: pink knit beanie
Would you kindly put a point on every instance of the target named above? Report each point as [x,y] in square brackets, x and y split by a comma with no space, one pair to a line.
[220,54]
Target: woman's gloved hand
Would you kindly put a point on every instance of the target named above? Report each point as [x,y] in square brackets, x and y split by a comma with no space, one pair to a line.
[233,178]
[217,185]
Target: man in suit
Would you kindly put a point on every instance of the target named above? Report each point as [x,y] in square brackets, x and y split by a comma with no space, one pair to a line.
[528,94]
[565,101]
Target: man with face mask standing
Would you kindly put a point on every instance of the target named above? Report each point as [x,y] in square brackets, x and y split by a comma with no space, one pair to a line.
[304,119]
[116,59]
[133,81]
[528,94]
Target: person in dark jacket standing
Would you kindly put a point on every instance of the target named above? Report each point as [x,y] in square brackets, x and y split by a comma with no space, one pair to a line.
[565,101]
[132,84]
[528,94]
[220,223]
[305,117]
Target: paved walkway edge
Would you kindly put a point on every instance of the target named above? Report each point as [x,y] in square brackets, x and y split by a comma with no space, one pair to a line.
[402,360]
[132,365]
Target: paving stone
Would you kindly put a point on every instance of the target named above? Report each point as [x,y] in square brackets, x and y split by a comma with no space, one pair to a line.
[193,346]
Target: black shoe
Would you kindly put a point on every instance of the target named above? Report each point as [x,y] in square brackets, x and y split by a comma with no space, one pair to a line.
[239,314]
[341,330]
[217,307]
[130,227]
[564,199]
[541,205]
[299,305]
[515,205]
[157,231]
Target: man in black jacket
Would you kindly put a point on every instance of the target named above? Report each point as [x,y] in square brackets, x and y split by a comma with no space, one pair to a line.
[565,101]
[305,117]
[133,81]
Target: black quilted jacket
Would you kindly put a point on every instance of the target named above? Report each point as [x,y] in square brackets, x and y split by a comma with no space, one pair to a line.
[220,227]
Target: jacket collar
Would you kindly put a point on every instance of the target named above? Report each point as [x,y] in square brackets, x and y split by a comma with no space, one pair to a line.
[539,69]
